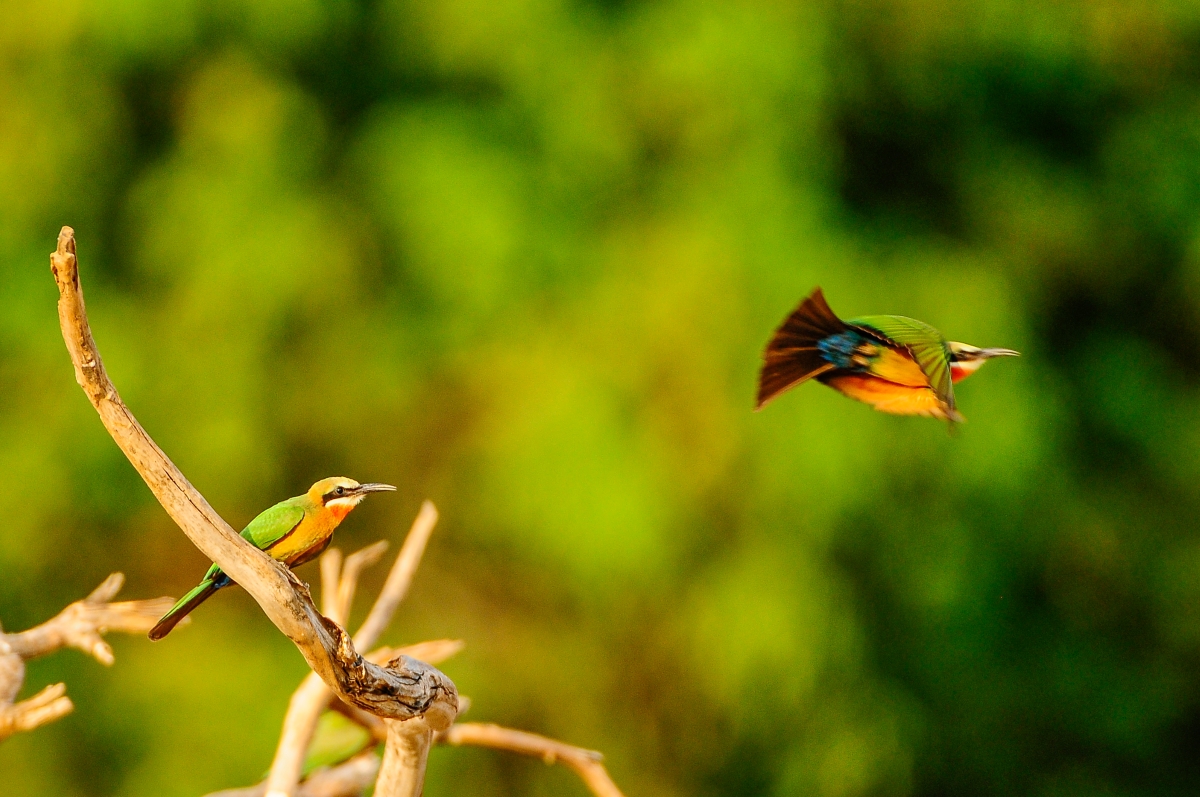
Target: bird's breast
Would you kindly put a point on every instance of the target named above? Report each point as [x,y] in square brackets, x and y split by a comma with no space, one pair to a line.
[889,397]
[312,534]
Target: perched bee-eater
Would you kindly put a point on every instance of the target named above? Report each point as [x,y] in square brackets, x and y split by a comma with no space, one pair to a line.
[293,532]
[895,364]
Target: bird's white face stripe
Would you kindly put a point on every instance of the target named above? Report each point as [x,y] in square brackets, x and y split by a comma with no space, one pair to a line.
[347,503]
[967,366]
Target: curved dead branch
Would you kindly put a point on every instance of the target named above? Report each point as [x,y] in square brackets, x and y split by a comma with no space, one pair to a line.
[402,689]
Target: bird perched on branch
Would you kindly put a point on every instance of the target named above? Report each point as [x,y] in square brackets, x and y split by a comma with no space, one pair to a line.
[292,532]
[895,364]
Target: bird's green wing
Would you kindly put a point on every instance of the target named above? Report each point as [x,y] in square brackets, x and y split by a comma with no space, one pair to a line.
[926,344]
[273,524]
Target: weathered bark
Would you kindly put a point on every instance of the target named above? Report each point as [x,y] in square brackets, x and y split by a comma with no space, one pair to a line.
[402,689]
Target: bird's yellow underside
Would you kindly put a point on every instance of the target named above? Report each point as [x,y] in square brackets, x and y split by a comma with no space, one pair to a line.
[891,397]
[312,532]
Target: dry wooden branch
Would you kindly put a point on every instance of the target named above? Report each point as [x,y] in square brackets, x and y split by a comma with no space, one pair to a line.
[331,567]
[348,779]
[79,626]
[348,583]
[402,689]
[586,763]
[46,706]
[399,578]
[312,697]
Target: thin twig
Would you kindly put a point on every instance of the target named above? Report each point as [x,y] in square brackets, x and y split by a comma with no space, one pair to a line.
[80,625]
[355,564]
[586,763]
[399,579]
[348,779]
[46,706]
[331,568]
[404,688]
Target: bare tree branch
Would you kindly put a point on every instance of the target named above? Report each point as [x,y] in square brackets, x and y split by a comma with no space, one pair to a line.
[46,706]
[348,779]
[402,689]
[338,585]
[402,772]
[312,696]
[400,578]
[434,651]
[331,568]
[79,626]
[586,763]
[348,584]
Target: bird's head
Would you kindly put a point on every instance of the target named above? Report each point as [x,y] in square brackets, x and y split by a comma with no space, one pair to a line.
[339,495]
[966,359]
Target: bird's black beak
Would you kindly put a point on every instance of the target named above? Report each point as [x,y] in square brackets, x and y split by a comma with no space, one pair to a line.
[985,354]
[376,488]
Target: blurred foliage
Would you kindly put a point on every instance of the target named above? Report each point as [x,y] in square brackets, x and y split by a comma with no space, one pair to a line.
[521,258]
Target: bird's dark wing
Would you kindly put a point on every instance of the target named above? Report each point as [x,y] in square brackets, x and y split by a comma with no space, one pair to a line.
[273,524]
[926,344]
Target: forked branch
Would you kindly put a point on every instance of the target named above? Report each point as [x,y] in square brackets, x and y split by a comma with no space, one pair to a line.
[402,689]
[80,626]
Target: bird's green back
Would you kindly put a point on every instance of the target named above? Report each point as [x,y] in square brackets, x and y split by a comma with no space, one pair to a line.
[926,344]
[272,525]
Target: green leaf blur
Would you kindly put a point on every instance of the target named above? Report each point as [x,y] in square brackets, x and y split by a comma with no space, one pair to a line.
[521,257]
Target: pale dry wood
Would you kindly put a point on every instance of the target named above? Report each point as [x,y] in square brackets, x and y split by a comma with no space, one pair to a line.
[431,652]
[402,772]
[331,568]
[348,779]
[81,624]
[402,689]
[312,697]
[12,672]
[46,706]
[338,584]
[78,626]
[586,763]
[399,578]
[348,583]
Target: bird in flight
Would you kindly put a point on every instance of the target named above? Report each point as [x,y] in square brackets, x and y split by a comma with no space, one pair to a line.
[895,364]
[292,532]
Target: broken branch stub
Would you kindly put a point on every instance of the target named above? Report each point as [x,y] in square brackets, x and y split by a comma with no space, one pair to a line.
[402,690]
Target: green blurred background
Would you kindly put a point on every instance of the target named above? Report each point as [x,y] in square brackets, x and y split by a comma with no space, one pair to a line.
[521,257]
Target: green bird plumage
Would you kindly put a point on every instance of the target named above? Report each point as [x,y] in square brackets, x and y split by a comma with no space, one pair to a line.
[292,532]
[894,363]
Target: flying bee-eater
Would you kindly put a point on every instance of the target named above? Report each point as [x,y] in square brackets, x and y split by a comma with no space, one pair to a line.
[292,532]
[895,364]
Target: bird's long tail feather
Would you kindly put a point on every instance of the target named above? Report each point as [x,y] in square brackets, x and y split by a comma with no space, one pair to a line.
[792,355]
[190,601]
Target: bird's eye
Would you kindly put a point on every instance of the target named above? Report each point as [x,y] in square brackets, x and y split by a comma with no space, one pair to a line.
[341,491]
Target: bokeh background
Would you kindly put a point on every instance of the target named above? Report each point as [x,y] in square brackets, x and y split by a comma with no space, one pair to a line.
[521,257]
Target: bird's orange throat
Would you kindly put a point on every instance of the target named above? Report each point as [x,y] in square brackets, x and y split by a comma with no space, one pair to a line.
[339,510]
[961,370]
